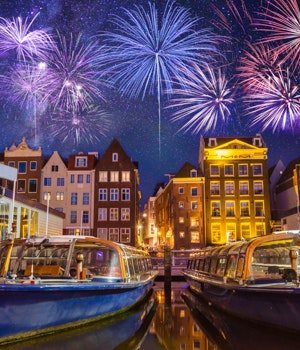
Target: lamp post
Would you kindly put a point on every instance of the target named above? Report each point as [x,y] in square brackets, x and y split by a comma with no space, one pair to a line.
[47,215]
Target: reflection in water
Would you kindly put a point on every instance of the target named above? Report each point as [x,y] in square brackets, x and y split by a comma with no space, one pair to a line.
[172,318]
[126,331]
[230,333]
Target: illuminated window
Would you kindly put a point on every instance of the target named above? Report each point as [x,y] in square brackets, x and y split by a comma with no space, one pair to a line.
[125,176]
[245,230]
[181,234]
[215,188]
[244,205]
[102,232]
[244,187]
[229,207]
[195,222]
[259,229]
[125,235]
[215,233]
[228,169]
[181,205]
[59,196]
[125,214]
[194,205]
[258,187]
[195,237]
[114,234]
[229,187]
[103,176]
[181,219]
[181,190]
[215,209]
[114,176]
[214,170]
[257,169]
[231,232]
[102,214]
[259,208]
[113,214]
[243,169]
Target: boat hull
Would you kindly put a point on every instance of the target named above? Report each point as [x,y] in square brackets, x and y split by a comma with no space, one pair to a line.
[32,309]
[275,305]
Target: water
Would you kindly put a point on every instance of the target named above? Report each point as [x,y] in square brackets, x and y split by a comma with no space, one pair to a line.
[168,320]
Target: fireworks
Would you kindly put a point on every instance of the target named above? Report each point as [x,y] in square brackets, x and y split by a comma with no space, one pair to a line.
[204,102]
[15,35]
[276,104]
[148,53]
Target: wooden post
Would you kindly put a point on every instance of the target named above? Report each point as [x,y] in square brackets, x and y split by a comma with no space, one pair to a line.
[168,263]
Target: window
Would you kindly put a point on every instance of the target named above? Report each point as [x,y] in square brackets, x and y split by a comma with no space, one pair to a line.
[125,235]
[229,207]
[102,214]
[72,179]
[244,208]
[181,205]
[214,170]
[22,167]
[11,164]
[46,196]
[73,218]
[125,176]
[113,214]
[86,198]
[259,229]
[47,181]
[228,169]
[181,234]
[243,169]
[125,194]
[258,187]
[80,162]
[259,208]
[114,176]
[245,230]
[21,186]
[88,178]
[216,233]
[114,234]
[54,168]
[193,173]
[32,185]
[114,194]
[194,191]
[231,232]
[115,157]
[103,176]
[195,237]
[102,233]
[59,196]
[229,187]
[125,214]
[85,217]
[80,179]
[102,194]
[215,188]
[244,187]
[181,219]
[181,190]
[74,198]
[257,169]
[33,165]
[215,209]
[194,205]
[60,181]
[194,222]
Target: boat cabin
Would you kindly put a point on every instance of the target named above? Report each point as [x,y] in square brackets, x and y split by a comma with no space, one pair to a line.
[261,259]
[72,257]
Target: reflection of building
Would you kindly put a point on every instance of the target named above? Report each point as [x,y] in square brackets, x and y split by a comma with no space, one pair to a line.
[30,217]
[236,188]
[179,210]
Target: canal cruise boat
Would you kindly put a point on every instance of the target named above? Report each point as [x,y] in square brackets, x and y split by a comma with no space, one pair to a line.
[53,283]
[256,279]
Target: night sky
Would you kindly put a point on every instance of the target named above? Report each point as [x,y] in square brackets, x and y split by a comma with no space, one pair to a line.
[134,120]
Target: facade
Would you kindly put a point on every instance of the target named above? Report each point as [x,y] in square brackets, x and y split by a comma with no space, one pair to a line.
[179,210]
[29,164]
[287,196]
[150,237]
[117,198]
[237,200]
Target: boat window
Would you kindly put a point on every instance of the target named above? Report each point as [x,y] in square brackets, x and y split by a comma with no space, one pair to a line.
[221,266]
[231,266]
[201,265]
[240,267]
[213,264]
[206,264]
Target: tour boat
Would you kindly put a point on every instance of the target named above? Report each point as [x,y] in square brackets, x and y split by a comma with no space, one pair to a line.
[255,279]
[53,283]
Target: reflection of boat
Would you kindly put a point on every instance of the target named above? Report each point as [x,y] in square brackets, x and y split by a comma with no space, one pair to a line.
[255,280]
[124,331]
[64,281]
[229,332]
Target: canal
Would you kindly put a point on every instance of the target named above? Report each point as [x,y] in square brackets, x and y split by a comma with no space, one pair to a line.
[168,320]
